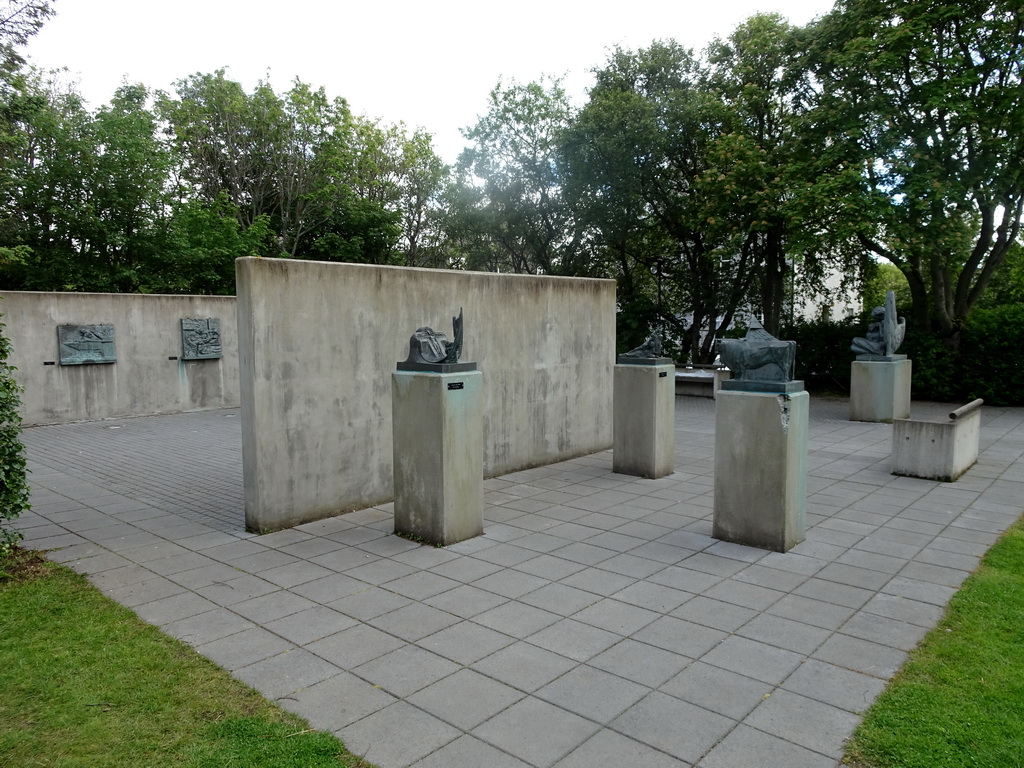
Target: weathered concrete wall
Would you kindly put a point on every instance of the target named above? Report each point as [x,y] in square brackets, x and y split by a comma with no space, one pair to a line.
[144,380]
[318,343]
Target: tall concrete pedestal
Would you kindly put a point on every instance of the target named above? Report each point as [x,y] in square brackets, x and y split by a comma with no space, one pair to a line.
[761,468]
[439,452]
[880,390]
[644,419]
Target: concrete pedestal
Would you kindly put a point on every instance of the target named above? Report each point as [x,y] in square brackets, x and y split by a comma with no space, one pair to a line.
[437,425]
[879,390]
[644,420]
[937,450]
[761,468]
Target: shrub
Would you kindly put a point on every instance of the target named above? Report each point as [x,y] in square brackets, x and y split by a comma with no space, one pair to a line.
[935,372]
[991,358]
[14,493]
[988,364]
[823,351]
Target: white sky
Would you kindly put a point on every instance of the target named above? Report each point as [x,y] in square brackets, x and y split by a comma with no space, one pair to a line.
[427,63]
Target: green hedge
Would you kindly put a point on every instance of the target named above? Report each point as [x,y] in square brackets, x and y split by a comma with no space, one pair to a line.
[991,356]
[823,352]
[14,491]
[989,363]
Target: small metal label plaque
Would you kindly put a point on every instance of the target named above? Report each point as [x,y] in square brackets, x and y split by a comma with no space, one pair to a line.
[200,338]
[85,344]
[457,385]
[662,374]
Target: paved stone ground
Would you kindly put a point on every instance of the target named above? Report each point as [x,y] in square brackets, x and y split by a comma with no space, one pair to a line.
[595,623]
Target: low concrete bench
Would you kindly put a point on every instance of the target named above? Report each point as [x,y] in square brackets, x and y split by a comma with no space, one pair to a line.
[937,449]
[701,381]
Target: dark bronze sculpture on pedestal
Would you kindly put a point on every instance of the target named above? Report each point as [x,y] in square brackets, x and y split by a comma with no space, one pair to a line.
[885,333]
[430,350]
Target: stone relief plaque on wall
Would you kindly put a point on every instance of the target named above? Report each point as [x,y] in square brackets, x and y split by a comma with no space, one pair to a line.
[86,344]
[200,338]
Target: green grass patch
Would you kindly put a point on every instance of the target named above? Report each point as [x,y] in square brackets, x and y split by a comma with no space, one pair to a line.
[84,682]
[959,699]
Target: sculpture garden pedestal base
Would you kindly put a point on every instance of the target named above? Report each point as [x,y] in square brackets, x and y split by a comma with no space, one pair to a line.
[643,420]
[438,455]
[938,449]
[761,468]
[880,390]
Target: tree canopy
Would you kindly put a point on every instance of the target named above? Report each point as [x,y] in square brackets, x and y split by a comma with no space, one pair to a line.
[923,101]
[162,192]
[711,185]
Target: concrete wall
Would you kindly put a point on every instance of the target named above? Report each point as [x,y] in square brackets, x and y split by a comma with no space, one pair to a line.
[318,343]
[143,381]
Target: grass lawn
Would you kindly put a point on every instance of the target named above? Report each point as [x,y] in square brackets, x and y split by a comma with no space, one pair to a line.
[83,682]
[959,700]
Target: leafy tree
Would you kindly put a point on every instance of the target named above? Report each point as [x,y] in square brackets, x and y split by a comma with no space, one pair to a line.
[329,185]
[621,238]
[271,155]
[466,224]
[422,179]
[199,246]
[85,193]
[52,155]
[513,203]
[757,175]
[19,21]
[310,134]
[357,231]
[401,175]
[922,106]
[127,192]
[1007,286]
[221,147]
[646,146]
[885,277]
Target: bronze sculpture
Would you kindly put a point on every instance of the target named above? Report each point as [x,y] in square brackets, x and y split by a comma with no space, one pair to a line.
[885,332]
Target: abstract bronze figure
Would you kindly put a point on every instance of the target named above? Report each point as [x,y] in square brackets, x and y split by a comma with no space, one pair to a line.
[650,348]
[759,361]
[429,346]
[885,332]
[648,353]
[430,350]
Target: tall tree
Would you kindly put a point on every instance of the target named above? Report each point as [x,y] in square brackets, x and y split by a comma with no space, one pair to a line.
[519,216]
[221,145]
[19,21]
[400,172]
[421,183]
[326,182]
[602,152]
[128,189]
[646,144]
[756,166]
[923,108]
[85,193]
[272,155]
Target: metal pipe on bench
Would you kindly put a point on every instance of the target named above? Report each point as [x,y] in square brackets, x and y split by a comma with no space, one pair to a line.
[965,409]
